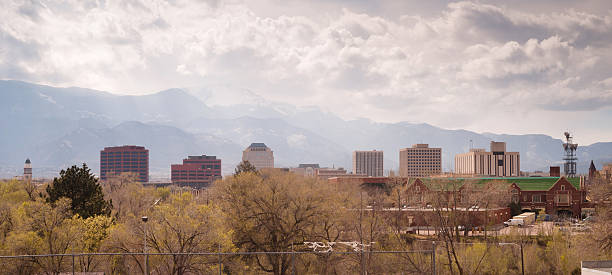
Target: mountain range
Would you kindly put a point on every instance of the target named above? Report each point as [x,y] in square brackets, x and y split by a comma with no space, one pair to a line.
[60,127]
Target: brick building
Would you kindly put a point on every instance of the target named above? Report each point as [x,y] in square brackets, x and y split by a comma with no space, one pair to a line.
[554,196]
[326,173]
[125,159]
[367,181]
[196,171]
[549,195]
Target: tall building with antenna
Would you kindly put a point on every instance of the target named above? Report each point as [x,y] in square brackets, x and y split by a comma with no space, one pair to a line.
[570,155]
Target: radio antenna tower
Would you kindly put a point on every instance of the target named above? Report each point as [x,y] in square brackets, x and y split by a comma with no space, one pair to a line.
[570,156]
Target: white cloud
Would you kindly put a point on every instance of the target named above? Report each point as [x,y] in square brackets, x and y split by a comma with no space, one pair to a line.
[448,67]
[296,140]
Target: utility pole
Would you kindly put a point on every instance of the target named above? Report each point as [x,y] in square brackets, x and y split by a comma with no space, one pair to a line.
[146,263]
[433,256]
[361,231]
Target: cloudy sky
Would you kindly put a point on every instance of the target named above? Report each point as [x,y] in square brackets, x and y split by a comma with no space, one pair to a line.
[488,66]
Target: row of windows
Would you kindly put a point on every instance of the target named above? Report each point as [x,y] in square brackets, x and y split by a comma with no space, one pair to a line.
[194,175]
[137,167]
[193,178]
[123,159]
[124,156]
[120,162]
[123,164]
[535,198]
[140,171]
[124,153]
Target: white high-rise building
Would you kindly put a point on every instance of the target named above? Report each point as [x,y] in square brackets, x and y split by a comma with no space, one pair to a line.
[497,163]
[259,155]
[368,162]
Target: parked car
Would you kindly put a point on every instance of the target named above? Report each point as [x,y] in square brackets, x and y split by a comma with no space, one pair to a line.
[514,222]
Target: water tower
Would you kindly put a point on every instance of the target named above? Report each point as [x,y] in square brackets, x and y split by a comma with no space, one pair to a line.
[570,156]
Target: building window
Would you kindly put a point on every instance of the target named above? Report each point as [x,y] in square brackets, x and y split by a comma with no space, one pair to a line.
[563,198]
[418,188]
[562,187]
[536,198]
[515,196]
[525,198]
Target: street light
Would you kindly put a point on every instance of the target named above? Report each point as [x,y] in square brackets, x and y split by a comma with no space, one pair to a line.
[144,220]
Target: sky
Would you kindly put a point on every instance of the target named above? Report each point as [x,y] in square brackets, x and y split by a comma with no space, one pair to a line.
[512,67]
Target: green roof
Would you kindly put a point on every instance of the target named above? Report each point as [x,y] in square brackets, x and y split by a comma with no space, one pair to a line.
[525,183]
[545,184]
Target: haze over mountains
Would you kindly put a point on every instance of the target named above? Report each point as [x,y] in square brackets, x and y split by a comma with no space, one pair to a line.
[59,127]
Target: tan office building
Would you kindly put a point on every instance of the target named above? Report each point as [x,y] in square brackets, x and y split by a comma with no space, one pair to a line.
[259,155]
[368,162]
[497,163]
[420,161]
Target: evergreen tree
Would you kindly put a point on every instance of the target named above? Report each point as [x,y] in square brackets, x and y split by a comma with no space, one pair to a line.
[245,166]
[81,186]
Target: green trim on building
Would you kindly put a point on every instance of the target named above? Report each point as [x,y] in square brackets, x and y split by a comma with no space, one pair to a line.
[524,183]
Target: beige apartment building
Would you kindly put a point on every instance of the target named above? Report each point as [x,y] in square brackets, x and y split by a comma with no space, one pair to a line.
[420,161]
[496,163]
[260,155]
[369,163]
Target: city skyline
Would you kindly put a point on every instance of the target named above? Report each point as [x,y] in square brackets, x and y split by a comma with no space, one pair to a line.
[417,161]
[538,67]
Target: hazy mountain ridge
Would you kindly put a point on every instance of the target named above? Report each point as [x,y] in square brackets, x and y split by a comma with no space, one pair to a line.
[58,127]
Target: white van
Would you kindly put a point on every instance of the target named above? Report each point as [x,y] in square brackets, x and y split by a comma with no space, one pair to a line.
[517,222]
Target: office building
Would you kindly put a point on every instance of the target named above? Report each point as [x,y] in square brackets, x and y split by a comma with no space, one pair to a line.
[196,171]
[125,159]
[27,171]
[369,163]
[420,161]
[496,163]
[307,170]
[259,155]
